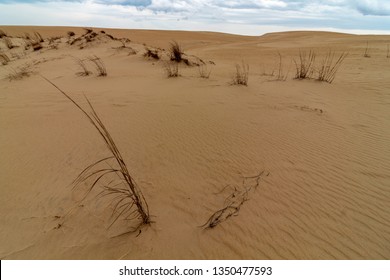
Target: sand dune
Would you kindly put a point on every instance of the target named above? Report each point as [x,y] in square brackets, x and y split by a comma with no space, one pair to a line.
[189,142]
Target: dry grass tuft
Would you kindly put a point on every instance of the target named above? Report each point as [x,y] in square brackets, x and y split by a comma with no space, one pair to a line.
[4,59]
[171,69]
[281,75]
[203,71]
[19,73]
[85,71]
[125,198]
[70,33]
[151,53]
[176,52]
[242,74]
[329,66]
[99,65]
[304,67]
[367,51]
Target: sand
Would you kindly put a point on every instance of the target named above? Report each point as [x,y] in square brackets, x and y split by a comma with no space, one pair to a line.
[189,142]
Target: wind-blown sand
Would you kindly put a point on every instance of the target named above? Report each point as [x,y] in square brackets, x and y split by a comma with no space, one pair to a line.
[325,146]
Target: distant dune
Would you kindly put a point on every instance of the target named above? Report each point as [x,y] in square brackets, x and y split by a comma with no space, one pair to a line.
[271,167]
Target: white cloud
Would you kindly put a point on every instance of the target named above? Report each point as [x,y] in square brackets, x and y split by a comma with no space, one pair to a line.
[237,16]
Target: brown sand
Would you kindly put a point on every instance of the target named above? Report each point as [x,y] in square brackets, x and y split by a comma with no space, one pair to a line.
[325,146]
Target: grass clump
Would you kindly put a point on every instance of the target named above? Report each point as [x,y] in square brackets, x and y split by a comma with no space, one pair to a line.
[85,71]
[203,71]
[329,66]
[171,69]
[4,59]
[241,75]
[304,66]
[99,65]
[367,51]
[151,53]
[175,51]
[70,33]
[125,198]
[19,73]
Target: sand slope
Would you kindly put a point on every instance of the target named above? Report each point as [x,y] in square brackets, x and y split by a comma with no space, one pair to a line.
[325,146]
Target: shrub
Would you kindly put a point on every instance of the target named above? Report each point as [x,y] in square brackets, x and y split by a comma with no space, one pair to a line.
[71,33]
[304,65]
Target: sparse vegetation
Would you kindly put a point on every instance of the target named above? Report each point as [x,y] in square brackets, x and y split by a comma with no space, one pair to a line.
[152,54]
[4,59]
[85,71]
[125,198]
[304,67]
[367,51]
[329,66]
[175,51]
[99,65]
[204,72]
[20,73]
[171,69]
[388,51]
[241,75]
[281,75]
[38,37]
[71,33]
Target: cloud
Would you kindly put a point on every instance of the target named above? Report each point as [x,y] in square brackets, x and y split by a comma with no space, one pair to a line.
[213,15]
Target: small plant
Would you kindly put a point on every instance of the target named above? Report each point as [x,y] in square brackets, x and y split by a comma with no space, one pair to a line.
[281,76]
[85,71]
[100,67]
[329,66]
[38,37]
[171,69]
[388,51]
[4,59]
[125,198]
[367,51]
[71,33]
[204,72]
[175,51]
[152,54]
[242,74]
[304,65]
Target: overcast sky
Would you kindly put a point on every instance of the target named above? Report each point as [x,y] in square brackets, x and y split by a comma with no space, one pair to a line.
[248,17]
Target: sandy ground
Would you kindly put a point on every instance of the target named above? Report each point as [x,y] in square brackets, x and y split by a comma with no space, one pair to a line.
[189,142]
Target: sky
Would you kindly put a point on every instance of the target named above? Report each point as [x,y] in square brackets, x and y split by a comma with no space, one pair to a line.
[246,17]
